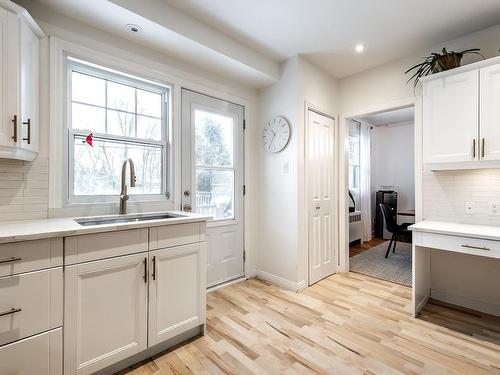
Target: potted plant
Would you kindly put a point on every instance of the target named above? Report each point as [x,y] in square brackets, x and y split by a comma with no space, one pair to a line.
[438,62]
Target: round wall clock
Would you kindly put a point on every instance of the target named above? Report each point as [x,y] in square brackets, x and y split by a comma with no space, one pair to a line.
[276,134]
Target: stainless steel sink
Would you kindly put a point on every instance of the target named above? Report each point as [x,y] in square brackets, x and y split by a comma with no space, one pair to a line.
[124,219]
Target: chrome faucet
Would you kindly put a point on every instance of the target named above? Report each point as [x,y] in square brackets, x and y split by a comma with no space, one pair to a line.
[123,193]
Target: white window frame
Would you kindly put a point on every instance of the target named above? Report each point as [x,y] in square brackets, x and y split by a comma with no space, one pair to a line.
[106,73]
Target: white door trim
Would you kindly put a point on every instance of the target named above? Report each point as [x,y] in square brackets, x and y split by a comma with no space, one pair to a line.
[335,211]
[343,174]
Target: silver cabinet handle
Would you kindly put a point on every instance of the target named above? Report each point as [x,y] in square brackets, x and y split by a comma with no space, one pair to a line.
[10,260]
[476,247]
[474,148]
[11,311]
[154,268]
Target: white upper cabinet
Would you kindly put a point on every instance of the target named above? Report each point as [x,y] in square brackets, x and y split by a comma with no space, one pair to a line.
[489,132]
[461,117]
[19,82]
[450,118]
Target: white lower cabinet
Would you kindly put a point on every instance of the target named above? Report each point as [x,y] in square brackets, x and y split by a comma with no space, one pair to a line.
[176,291]
[36,355]
[105,312]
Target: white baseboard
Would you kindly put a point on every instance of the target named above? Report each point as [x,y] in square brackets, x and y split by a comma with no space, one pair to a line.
[486,307]
[280,281]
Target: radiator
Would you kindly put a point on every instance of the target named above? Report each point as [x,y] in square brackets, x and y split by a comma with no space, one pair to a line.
[355,226]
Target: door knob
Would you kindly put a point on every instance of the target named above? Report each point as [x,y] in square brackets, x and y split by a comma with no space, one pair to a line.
[187,193]
[318,207]
[187,208]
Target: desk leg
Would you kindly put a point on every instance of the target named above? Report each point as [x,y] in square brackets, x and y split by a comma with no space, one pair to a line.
[421,278]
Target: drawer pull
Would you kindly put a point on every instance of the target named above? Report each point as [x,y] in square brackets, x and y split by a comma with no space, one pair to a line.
[11,311]
[154,268]
[10,260]
[475,247]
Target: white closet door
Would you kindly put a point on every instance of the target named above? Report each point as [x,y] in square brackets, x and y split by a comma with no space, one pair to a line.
[451,118]
[320,172]
[489,130]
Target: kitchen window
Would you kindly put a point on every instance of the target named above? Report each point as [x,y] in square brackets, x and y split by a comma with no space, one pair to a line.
[123,117]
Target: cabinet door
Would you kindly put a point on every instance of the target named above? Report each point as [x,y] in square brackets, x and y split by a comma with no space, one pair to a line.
[29,119]
[451,118]
[9,62]
[489,118]
[176,291]
[105,318]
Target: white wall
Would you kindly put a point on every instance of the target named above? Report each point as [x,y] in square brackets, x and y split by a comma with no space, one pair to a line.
[277,201]
[282,219]
[392,162]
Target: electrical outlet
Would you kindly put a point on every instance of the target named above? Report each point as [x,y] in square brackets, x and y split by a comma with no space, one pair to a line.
[469,208]
[493,208]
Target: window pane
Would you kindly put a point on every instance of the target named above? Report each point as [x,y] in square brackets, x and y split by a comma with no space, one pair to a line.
[214,139]
[148,103]
[148,128]
[87,89]
[215,193]
[97,170]
[86,117]
[121,97]
[121,123]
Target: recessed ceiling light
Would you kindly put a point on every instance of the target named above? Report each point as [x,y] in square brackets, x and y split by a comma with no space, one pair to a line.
[133,28]
[359,48]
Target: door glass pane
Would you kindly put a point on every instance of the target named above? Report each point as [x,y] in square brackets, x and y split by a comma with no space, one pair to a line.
[97,170]
[214,139]
[215,193]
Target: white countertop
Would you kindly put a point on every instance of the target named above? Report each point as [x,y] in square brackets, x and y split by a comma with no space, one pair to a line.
[458,229]
[24,230]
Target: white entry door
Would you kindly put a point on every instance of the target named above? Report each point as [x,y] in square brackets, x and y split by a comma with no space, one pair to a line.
[212,178]
[320,172]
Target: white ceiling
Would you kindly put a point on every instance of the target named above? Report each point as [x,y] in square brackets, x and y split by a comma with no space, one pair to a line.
[396,116]
[246,40]
[326,31]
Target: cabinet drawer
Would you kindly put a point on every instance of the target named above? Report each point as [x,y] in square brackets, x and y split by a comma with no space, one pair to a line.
[30,303]
[36,355]
[465,245]
[90,247]
[175,235]
[19,257]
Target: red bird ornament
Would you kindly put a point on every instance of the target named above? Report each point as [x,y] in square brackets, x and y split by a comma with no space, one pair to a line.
[89,139]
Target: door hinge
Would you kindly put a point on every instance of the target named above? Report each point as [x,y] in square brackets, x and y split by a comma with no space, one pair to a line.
[244,189]
[244,255]
[244,124]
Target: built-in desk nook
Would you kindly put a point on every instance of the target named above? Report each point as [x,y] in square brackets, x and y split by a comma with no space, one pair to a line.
[456,263]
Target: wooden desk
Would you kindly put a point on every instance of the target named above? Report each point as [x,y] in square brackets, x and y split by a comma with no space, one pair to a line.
[477,240]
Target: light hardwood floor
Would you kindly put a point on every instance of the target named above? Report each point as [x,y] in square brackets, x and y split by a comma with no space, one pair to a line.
[346,324]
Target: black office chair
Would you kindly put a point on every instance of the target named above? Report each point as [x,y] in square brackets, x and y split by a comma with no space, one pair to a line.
[399,231]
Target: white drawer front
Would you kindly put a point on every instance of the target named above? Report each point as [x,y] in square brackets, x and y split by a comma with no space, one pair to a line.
[27,256]
[91,247]
[30,303]
[465,245]
[36,355]
[175,235]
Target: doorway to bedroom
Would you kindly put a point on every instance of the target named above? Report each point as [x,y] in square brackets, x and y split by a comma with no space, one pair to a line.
[381,194]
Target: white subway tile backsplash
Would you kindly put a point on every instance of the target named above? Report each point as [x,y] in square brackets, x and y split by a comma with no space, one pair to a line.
[24,192]
[445,194]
